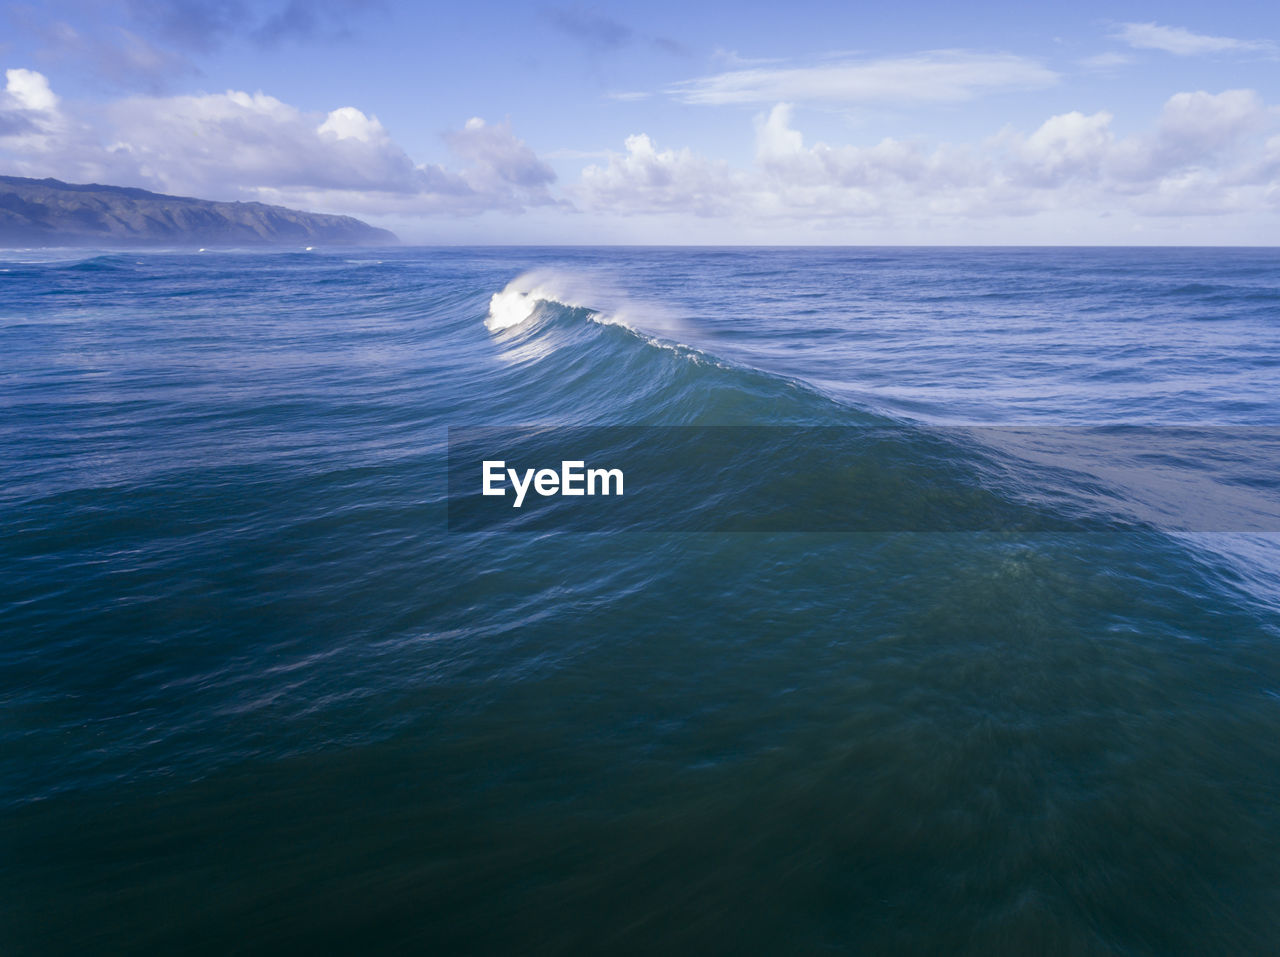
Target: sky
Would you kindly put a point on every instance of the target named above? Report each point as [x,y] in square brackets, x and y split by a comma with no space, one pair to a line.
[670,122]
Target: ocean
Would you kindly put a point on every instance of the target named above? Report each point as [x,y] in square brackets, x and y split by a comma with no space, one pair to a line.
[271,683]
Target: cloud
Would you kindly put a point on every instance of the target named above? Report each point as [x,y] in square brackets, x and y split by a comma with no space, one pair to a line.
[498,159]
[209,143]
[603,34]
[1102,62]
[241,145]
[29,90]
[205,25]
[301,20]
[732,58]
[116,54]
[937,76]
[1182,42]
[348,123]
[594,29]
[30,112]
[146,44]
[672,46]
[646,180]
[1204,154]
[100,46]
[1195,125]
[200,25]
[838,182]
[1201,154]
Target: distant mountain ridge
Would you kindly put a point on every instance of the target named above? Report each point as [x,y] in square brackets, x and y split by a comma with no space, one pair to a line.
[49,212]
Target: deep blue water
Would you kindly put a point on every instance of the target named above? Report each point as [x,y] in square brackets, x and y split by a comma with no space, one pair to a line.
[255,697]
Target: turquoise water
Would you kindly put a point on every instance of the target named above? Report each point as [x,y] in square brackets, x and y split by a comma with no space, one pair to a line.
[255,696]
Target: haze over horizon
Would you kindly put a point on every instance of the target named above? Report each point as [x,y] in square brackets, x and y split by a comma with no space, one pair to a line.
[602,123]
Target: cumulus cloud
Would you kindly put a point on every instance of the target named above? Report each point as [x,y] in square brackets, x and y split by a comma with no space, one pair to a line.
[1203,154]
[1183,42]
[30,115]
[203,144]
[348,123]
[846,181]
[1205,122]
[644,179]
[29,90]
[937,76]
[498,158]
[253,145]
[1066,148]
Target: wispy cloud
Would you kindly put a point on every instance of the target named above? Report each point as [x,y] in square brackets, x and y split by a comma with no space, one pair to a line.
[1107,61]
[934,76]
[121,57]
[1183,42]
[731,58]
[204,25]
[302,20]
[149,44]
[199,25]
[594,29]
[601,33]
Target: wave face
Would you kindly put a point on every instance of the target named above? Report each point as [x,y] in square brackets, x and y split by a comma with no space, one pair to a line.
[252,682]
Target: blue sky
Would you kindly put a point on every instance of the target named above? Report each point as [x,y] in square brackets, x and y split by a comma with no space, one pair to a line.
[670,122]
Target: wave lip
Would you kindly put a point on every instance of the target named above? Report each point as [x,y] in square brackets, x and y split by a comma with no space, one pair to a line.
[603,303]
[519,300]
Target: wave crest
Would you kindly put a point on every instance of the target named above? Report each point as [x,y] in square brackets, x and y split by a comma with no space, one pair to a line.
[520,298]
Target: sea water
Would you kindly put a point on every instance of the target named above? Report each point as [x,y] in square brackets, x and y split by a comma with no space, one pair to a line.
[258,696]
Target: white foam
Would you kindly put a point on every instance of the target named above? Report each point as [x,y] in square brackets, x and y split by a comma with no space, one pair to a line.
[519,300]
[514,305]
